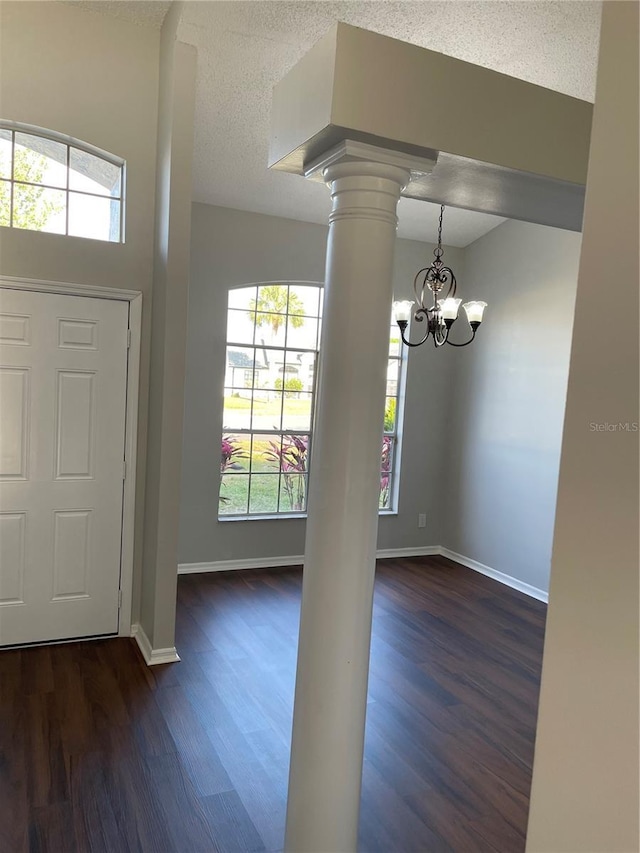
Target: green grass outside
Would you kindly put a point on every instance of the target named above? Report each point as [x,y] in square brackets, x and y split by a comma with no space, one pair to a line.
[292,405]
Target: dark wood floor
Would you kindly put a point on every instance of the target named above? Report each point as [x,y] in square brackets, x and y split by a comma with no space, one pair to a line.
[100,753]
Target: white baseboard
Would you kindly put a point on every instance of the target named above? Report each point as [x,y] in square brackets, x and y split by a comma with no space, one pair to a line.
[292,560]
[385,553]
[507,580]
[152,656]
[238,565]
[420,551]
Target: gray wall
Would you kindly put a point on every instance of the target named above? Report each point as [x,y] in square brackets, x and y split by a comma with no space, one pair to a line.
[231,248]
[507,400]
[176,107]
[94,78]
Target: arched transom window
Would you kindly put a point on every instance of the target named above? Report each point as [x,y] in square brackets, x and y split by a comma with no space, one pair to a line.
[53,183]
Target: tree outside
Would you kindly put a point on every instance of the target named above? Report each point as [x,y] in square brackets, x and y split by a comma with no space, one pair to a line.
[271,306]
[33,206]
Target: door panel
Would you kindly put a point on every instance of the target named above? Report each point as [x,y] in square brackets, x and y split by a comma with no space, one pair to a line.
[63,374]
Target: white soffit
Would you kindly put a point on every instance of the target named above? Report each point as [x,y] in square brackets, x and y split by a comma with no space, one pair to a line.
[245,48]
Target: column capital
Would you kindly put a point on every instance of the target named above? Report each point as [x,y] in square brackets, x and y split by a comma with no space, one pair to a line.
[363,159]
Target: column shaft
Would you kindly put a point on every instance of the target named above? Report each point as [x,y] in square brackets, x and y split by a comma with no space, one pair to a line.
[335,626]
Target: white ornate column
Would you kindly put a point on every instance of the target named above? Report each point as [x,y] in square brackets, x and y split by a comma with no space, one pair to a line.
[335,625]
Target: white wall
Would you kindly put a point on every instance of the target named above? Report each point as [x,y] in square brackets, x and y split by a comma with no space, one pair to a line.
[507,401]
[231,248]
[585,793]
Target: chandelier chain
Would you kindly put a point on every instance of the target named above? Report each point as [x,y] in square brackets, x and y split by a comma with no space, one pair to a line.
[438,250]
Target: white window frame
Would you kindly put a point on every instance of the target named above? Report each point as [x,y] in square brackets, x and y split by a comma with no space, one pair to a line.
[70,142]
[395,434]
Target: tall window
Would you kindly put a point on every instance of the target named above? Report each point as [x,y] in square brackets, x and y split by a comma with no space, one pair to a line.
[390,457]
[47,184]
[273,336]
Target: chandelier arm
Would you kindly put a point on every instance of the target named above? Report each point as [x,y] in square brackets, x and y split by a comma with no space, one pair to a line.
[420,315]
[419,290]
[466,343]
[408,343]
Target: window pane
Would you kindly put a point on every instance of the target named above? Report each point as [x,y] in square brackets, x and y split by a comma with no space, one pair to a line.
[394,341]
[239,372]
[240,326]
[234,494]
[265,453]
[386,468]
[294,456]
[293,493]
[234,453]
[390,415]
[385,491]
[294,465]
[237,408]
[268,453]
[294,362]
[270,329]
[264,493]
[296,415]
[304,299]
[40,161]
[243,298]
[5,154]
[92,174]
[5,203]
[302,332]
[393,371]
[39,209]
[97,218]
[273,298]
[267,410]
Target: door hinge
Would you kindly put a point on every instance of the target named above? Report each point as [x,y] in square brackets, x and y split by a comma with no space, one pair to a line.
[124,469]
[128,338]
[119,599]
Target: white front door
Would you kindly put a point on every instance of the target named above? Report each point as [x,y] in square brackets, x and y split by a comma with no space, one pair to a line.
[63,378]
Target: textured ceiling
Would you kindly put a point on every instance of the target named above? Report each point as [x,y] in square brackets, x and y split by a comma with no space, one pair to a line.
[245,48]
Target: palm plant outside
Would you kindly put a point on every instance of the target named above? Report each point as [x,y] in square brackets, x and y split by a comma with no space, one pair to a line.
[291,460]
[271,306]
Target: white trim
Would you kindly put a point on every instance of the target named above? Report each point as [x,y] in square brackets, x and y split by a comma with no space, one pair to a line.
[131,456]
[419,551]
[55,136]
[134,298]
[501,577]
[383,554]
[68,288]
[239,565]
[292,560]
[152,656]
[350,150]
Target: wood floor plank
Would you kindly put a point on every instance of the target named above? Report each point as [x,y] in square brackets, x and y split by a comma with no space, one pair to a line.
[99,752]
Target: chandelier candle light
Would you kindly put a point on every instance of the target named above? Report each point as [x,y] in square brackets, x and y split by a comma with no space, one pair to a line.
[443,313]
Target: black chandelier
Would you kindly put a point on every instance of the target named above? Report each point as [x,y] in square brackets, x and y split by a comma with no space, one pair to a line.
[440,316]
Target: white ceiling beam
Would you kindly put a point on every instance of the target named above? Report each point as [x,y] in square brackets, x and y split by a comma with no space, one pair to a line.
[504,146]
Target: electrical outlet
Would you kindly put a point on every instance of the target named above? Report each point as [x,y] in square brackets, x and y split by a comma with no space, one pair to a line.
[422,519]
